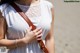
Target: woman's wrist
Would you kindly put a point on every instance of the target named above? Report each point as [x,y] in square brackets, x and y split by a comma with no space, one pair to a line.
[16,43]
[19,42]
[24,40]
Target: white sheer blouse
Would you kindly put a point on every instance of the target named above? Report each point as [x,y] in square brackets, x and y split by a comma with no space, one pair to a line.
[39,14]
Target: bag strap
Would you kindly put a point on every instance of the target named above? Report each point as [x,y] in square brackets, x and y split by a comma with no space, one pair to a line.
[42,46]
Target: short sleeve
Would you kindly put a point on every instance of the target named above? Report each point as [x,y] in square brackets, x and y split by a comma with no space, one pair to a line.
[2,8]
[49,4]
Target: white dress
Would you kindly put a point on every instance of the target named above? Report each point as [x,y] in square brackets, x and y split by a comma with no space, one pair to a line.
[39,14]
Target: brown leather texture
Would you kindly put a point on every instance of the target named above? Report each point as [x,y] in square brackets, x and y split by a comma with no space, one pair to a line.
[42,45]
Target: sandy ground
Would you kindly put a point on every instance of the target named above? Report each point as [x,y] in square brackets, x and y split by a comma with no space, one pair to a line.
[66,27]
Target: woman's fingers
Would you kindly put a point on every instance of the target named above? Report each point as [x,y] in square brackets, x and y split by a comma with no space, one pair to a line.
[39,36]
[37,29]
[38,32]
[29,29]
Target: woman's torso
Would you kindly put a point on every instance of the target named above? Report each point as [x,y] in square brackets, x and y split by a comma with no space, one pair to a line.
[40,15]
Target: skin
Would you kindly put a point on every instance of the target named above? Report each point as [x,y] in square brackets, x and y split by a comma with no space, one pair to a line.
[30,36]
[50,37]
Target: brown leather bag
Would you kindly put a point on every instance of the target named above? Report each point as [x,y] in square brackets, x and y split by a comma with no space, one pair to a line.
[42,46]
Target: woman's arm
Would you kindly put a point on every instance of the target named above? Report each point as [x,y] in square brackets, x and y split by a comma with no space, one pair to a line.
[50,36]
[30,36]
[5,42]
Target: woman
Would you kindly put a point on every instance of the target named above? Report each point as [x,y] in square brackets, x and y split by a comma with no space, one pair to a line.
[20,38]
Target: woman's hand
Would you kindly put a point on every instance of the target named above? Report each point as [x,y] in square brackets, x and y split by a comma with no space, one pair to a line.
[32,35]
